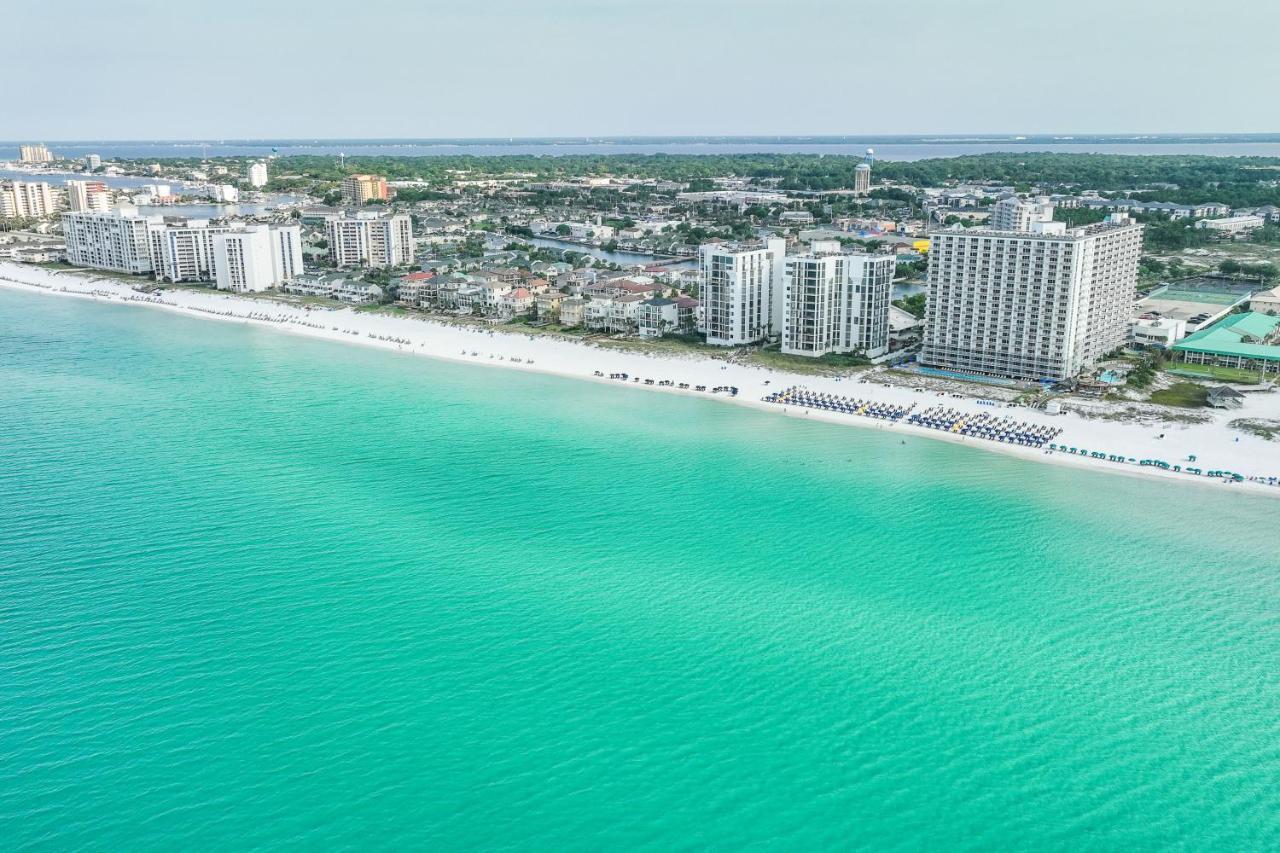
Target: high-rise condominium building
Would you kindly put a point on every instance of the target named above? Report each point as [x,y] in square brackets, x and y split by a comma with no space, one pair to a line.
[837,302]
[286,252]
[88,196]
[34,154]
[741,291]
[1042,304]
[22,199]
[358,189]
[370,239]
[256,257]
[258,175]
[236,256]
[862,178]
[183,251]
[118,240]
[92,162]
[1016,214]
[199,251]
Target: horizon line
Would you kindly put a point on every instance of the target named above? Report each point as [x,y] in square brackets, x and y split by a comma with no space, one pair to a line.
[984,136]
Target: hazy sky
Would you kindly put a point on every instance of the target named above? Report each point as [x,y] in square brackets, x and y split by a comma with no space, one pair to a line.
[181,69]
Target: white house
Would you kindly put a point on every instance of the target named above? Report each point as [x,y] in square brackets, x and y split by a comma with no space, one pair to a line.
[657,316]
[1161,332]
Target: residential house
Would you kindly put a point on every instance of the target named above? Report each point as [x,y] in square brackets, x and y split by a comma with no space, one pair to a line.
[314,284]
[573,311]
[417,289]
[688,314]
[471,298]
[491,293]
[624,312]
[505,275]
[447,292]
[515,302]
[357,291]
[621,286]
[547,305]
[657,316]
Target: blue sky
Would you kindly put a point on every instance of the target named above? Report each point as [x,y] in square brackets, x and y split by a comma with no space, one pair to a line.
[399,68]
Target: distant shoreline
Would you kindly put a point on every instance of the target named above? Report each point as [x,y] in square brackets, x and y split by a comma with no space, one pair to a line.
[888,147]
[820,139]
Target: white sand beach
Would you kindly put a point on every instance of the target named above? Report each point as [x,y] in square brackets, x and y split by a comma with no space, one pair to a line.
[1215,444]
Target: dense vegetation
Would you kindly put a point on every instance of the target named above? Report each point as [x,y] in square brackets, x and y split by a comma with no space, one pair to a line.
[1237,181]
[913,304]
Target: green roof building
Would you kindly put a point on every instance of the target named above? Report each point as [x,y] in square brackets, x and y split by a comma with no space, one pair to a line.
[1248,341]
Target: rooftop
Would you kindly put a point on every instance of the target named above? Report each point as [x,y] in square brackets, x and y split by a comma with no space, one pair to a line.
[1237,335]
[1193,300]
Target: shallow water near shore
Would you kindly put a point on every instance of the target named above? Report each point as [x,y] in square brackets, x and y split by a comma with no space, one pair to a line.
[263,590]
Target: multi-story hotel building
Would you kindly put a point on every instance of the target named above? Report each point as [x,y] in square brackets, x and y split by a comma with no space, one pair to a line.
[234,255]
[22,199]
[1016,214]
[266,256]
[1043,304]
[34,154]
[118,240]
[183,251]
[741,291]
[836,303]
[358,189]
[88,196]
[370,239]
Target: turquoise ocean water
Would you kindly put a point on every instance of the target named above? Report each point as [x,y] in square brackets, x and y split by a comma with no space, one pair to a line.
[261,591]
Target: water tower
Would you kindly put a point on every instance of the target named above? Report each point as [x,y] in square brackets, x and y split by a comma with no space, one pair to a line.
[862,174]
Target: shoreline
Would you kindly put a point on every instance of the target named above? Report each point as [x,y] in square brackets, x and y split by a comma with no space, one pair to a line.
[1245,453]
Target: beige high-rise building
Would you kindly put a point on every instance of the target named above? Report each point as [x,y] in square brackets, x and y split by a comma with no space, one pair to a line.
[370,239]
[88,196]
[34,154]
[1042,304]
[26,200]
[1017,214]
[358,189]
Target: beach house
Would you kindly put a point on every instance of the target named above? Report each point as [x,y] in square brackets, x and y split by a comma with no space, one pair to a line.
[657,316]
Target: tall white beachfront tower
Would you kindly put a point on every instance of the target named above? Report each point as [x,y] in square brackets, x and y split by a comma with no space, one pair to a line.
[741,290]
[837,303]
[1042,304]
